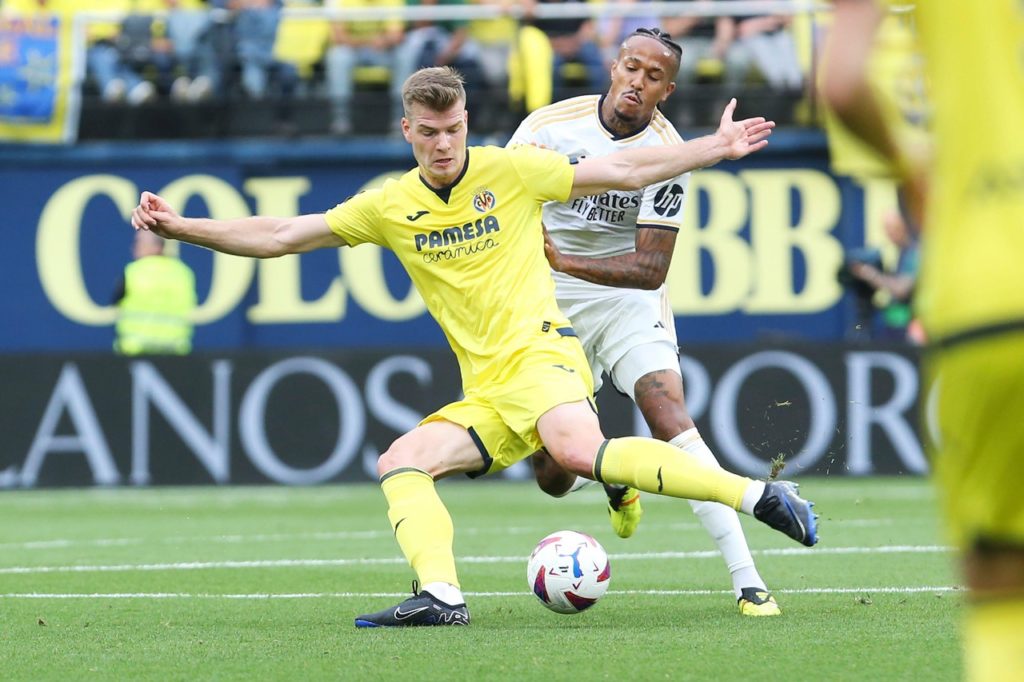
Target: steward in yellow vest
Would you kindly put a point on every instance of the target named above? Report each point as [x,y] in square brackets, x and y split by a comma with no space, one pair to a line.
[155,308]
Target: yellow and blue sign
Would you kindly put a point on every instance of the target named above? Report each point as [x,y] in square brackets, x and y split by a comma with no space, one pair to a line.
[38,93]
[757,256]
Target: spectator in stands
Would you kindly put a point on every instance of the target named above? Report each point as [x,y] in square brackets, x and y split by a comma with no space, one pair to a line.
[709,53]
[574,40]
[896,286]
[116,77]
[360,43]
[182,52]
[494,39]
[255,32]
[155,301]
[612,30]
[765,42]
[246,40]
[438,43]
[169,47]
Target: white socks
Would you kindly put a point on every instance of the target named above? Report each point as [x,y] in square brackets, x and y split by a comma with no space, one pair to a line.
[579,484]
[446,592]
[721,522]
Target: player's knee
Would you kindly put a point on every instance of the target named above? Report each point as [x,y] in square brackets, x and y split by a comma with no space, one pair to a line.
[574,458]
[394,458]
[995,569]
[665,419]
[665,427]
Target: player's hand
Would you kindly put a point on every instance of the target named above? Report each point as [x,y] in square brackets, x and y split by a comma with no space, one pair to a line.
[551,251]
[867,273]
[741,138]
[154,213]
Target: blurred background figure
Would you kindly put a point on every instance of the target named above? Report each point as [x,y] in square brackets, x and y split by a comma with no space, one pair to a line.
[444,42]
[707,54]
[256,23]
[892,289]
[612,30]
[367,45]
[765,43]
[112,61]
[161,46]
[182,52]
[155,300]
[577,56]
[495,40]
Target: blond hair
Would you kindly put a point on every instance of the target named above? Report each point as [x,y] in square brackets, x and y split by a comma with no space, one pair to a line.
[437,88]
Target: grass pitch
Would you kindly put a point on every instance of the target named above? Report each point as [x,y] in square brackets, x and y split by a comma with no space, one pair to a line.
[263,583]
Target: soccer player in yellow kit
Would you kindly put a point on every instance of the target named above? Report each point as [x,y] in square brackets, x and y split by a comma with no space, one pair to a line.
[466,226]
[971,292]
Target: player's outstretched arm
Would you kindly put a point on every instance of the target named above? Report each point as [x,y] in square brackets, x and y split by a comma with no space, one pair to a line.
[632,169]
[258,236]
[846,89]
[645,268]
[845,86]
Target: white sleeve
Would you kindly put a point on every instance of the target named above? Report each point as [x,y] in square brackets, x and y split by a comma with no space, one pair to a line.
[523,135]
[662,204]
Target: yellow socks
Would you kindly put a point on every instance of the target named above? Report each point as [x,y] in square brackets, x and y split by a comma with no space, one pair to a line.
[656,467]
[422,525]
[994,640]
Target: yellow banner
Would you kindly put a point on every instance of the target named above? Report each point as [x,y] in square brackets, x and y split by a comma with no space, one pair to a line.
[39,93]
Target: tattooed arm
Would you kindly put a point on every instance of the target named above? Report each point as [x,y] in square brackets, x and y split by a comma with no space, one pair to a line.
[645,268]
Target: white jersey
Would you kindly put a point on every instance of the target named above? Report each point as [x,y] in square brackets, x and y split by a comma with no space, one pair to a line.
[603,225]
[610,320]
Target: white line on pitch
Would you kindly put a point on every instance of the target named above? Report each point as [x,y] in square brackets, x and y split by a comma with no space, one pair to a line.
[238,539]
[368,595]
[316,563]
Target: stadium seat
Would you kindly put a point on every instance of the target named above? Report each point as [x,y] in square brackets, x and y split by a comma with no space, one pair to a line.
[371,77]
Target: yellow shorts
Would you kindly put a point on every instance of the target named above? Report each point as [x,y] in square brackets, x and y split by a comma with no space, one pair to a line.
[979,457]
[501,416]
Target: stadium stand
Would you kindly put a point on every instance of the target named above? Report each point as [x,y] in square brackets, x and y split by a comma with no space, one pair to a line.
[172,69]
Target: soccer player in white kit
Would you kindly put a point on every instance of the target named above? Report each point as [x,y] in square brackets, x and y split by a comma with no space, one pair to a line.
[610,254]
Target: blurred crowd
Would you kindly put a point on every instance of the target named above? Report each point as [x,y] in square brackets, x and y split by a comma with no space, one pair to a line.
[189,51]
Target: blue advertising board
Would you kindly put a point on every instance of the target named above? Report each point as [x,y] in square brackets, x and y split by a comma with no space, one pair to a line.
[757,257]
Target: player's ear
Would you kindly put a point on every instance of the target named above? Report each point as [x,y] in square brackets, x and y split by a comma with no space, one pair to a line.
[668,90]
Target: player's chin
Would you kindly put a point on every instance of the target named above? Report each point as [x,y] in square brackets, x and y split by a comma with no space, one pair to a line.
[631,112]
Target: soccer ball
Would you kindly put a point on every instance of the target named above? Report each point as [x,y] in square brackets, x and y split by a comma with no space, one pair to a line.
[568,571]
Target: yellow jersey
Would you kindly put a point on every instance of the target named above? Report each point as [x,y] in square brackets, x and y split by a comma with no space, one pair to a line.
[474,251]
[973,244]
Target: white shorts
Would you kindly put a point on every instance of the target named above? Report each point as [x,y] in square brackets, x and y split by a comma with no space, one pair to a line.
[610,321]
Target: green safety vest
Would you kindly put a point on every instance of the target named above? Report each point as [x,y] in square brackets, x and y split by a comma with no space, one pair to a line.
[155,315]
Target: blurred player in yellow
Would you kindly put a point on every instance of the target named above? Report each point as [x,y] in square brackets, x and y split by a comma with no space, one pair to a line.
[971,295]
[466,226]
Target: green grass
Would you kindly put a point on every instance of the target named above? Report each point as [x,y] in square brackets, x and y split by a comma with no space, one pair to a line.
[186,599]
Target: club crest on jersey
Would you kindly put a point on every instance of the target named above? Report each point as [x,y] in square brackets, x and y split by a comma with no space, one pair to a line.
[484,200]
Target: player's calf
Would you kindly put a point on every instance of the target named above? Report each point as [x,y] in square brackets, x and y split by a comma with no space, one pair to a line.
[551,478]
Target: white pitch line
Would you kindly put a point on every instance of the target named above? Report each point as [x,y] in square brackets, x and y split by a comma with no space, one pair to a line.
[940,589]
[318,563]
[326,536]
[257,538]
